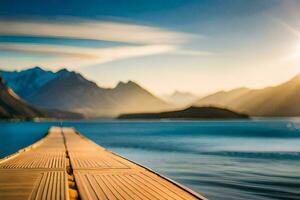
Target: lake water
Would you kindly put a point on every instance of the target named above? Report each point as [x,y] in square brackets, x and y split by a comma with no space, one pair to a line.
[257,159]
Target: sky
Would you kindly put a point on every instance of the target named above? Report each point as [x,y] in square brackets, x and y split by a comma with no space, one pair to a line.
[197,46]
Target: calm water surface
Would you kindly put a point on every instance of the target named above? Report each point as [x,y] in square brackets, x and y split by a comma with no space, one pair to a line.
[257,159]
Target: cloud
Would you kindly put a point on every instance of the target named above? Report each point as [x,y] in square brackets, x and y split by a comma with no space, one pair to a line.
[185,52]
[139,40]
[78,56]
[96,30]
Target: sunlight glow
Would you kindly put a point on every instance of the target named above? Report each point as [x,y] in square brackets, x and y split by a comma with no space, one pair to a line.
[298,50]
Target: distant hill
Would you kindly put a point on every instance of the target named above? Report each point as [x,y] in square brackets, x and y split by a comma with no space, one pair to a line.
[281,100]
[14,107]
[189,113]
[180,98]
[68,90]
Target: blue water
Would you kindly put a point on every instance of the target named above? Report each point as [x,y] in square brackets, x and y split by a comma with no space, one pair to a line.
[257,159]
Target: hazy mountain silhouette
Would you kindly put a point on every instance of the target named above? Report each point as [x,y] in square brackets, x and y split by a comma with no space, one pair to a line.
[280,100]
[189,113]
[68,90]
[180,98]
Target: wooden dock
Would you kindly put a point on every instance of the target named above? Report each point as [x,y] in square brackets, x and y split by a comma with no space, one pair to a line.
[66,165]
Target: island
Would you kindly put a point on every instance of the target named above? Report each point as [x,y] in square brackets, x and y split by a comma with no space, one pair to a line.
[192,112]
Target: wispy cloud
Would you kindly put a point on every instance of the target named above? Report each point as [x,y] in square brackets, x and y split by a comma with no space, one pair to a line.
[139,40]
[77,56]
[186,52]
[96,30]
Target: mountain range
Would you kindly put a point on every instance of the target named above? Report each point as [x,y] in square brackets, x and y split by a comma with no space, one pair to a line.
[70,91]
[277,101]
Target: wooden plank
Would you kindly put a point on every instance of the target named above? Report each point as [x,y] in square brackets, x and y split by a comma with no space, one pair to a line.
[94,160]
[33,185]
[37,159]
[47,188]
[17,184]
